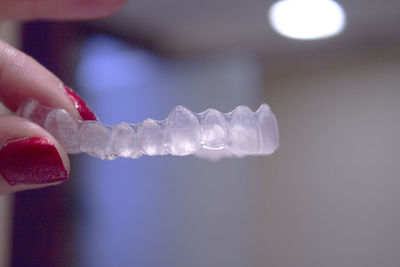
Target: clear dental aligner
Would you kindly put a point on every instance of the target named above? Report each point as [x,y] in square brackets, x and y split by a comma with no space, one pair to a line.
[209,134]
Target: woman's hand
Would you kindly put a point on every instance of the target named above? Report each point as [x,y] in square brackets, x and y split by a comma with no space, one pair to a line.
[29,156]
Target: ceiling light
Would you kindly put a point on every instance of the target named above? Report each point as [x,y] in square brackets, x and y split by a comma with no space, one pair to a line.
[307,19]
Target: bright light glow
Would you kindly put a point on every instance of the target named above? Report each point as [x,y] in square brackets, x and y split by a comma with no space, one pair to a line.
[307,19]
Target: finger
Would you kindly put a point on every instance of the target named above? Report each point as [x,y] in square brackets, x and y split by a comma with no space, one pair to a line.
[21,78]
[58,9]
[29,156]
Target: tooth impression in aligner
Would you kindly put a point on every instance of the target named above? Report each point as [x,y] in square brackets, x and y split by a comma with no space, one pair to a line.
[183,132]
[209,134]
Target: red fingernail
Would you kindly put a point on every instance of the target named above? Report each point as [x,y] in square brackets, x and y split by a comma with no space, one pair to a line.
[33,160]
[86,113]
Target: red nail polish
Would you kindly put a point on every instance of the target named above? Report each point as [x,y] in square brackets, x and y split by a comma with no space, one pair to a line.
[86,113]
[33,160]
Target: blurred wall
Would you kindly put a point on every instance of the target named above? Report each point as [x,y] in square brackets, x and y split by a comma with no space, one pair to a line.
[328,197]
[332,192]
[9,32]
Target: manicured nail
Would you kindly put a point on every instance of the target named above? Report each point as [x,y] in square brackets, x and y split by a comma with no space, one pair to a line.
[84,110]
[33,160]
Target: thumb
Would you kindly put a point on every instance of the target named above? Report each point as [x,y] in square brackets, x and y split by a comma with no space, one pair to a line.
[29,156]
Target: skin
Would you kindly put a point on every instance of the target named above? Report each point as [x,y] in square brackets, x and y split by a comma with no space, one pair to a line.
[21,76]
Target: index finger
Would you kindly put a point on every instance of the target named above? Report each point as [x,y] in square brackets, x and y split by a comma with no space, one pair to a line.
[21,78]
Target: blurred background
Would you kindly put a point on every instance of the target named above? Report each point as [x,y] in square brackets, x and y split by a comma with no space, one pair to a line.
[328,197]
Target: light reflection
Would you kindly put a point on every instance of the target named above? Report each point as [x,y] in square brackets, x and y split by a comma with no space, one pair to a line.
[307,19]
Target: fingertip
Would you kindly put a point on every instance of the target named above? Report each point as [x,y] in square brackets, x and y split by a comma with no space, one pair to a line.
[22,78]
[81,106]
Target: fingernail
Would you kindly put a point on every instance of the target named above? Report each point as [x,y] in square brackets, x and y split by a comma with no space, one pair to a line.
[84,110]
[33,160]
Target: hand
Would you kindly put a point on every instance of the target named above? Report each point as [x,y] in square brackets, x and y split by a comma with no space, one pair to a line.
[29,156]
